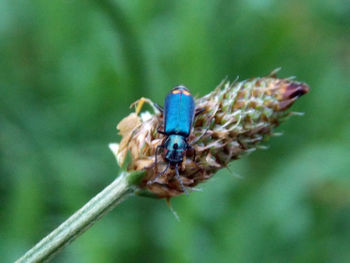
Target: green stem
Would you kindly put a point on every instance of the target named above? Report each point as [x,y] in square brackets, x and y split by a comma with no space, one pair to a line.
[84,218]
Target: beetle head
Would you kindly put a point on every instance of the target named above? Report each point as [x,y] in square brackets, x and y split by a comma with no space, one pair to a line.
[175,146]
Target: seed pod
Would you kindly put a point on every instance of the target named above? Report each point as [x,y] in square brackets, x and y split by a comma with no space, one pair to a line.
[237,116]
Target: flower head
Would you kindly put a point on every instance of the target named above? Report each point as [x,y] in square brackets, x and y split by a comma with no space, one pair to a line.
[236,117]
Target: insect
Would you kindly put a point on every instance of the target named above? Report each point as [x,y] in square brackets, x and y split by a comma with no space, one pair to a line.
[179,113]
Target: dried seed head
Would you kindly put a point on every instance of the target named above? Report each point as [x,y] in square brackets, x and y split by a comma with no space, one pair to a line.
[237,116]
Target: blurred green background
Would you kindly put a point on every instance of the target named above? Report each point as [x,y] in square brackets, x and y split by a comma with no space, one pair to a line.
[69,71]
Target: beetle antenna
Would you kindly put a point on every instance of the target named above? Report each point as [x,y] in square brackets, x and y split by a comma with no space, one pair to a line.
[179,179]
[159,175]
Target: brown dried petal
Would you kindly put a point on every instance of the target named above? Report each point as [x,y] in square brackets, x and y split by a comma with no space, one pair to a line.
[126,127]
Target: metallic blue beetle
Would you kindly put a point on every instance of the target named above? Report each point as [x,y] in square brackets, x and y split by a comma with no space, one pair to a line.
[178,112]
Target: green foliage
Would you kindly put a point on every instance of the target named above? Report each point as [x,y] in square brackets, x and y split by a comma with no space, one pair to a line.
[70,69]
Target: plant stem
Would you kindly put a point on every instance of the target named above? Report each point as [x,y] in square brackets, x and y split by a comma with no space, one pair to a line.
[83,219]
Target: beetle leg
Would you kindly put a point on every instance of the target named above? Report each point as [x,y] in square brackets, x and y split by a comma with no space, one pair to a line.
[179,179]
[159,175]
[198,167]
[206,130]
[199,111]
[200,137]
[160,108]
[161,132]
[190,148]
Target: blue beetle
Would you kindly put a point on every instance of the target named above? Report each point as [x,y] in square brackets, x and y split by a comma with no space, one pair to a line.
[179,113]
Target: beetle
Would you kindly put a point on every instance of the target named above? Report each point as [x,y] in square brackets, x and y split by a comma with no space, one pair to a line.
[178,114]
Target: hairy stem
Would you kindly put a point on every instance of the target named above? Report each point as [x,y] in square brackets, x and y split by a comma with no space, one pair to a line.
[83,219]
